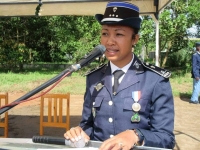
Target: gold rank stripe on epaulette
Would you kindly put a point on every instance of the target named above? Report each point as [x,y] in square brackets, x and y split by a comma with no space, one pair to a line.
[95,69]
[158,70]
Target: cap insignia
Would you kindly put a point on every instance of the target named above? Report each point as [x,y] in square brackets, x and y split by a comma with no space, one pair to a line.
[114,9]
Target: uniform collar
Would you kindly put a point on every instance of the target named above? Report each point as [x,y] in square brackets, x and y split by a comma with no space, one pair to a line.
[124,69]
[134,64]
[137,65]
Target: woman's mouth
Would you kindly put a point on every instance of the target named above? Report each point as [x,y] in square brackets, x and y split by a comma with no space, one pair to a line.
[111,51]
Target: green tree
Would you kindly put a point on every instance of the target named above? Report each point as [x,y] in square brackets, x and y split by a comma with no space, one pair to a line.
[13,51]
[174,21]
[147,34]
[46,39]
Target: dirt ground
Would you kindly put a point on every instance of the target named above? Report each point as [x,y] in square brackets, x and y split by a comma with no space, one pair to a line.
[24,120]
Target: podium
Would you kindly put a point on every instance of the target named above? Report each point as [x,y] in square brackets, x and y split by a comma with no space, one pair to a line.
[26,143]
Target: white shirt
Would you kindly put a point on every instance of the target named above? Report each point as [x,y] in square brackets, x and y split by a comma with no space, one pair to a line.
[125,69]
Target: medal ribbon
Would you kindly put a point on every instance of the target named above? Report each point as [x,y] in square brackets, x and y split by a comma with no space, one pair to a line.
[136,95]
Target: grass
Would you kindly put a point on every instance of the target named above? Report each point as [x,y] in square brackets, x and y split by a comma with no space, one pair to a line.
[182,85]
[75,84]
[26,82]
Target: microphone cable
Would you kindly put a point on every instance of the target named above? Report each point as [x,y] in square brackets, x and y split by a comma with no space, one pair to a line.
[43,93]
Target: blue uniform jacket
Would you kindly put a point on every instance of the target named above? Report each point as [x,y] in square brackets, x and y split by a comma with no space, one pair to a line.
[195,65]
[105,114]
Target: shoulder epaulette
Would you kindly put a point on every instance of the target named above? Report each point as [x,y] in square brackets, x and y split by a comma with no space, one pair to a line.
[95,69]
[158,70]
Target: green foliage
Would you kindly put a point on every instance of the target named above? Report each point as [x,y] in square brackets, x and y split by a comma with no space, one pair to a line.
[13,51]
[46,39]
[181,58]
[12,56]
[174,21]
[173,31]
[68,38]
[147,35]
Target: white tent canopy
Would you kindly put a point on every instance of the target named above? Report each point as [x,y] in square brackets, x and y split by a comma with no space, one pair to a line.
[79,7]
[71,7]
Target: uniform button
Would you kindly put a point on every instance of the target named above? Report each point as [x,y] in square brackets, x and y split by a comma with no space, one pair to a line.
[110,119]
[111,136]
[110,103]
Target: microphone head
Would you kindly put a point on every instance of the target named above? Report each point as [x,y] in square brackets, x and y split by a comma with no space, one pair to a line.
[96,52]
[102,48]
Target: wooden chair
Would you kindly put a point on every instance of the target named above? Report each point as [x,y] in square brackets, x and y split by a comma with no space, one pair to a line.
[4,116]
[58,106]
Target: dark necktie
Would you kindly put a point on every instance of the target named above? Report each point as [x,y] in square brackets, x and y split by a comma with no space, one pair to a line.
[117,74]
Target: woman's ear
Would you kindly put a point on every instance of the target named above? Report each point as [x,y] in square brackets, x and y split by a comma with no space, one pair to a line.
[135,39]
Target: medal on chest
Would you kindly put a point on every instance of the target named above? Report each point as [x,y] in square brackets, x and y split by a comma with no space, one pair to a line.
[136,106]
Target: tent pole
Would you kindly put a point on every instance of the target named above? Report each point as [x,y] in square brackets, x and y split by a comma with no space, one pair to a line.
[157,41]
[157,44]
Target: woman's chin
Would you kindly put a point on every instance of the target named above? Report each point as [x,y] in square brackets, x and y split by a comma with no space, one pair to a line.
[112,58]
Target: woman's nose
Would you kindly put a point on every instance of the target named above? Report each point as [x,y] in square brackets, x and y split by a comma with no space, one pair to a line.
[111,40]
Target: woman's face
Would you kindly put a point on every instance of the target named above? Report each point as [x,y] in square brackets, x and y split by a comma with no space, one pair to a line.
[118,41]
[198,48]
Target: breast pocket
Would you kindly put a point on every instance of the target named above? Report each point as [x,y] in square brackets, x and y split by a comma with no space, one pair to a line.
[97,101]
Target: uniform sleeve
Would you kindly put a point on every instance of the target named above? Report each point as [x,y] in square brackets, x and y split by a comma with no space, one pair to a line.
[161,117]
[87,120]
[195,69]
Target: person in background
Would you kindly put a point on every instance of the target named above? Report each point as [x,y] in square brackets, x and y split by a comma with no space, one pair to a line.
[196,75]
[135,108]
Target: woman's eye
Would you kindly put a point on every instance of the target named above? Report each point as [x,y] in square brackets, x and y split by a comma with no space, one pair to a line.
[104,34]
[119,34]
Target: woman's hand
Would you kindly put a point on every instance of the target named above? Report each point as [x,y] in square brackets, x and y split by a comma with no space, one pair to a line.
[75,134]
[122,141]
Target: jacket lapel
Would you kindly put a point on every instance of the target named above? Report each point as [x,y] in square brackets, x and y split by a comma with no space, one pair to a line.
[131,77]
[107,78]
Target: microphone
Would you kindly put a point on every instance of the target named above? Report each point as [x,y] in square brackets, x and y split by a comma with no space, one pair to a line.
[58,141]
[97,51]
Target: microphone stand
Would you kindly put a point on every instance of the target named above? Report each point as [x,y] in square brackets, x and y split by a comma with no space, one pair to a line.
[41,87]
[98,51]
